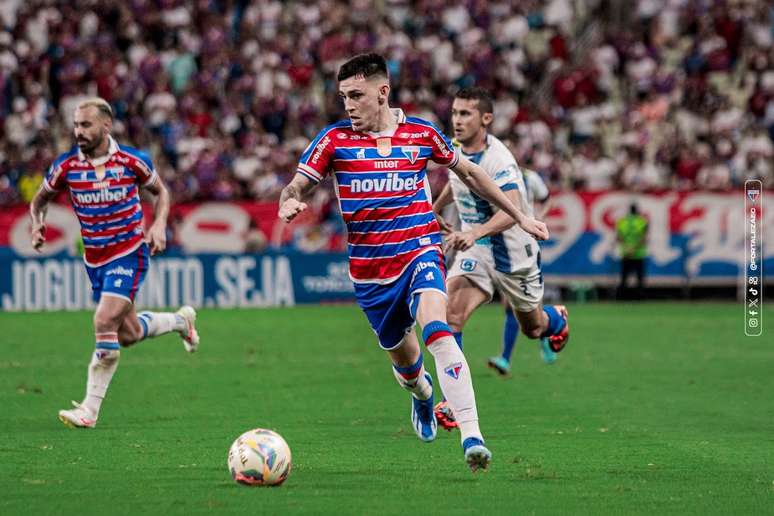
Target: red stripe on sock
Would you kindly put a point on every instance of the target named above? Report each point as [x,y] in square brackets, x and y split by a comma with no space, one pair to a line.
[410,376]
[437,335]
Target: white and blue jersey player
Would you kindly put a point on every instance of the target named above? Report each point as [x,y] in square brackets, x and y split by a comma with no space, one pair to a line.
[103,180]
[492,252]
[537,202]
[378,160]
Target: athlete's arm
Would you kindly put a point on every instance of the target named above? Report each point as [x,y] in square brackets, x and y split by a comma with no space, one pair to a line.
[157,233]
[541,208]
[291,197]
[479,181]
[38,209]
[500,221]
[441,202]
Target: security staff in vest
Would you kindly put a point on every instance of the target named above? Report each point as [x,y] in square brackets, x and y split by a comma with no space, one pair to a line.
[632,233]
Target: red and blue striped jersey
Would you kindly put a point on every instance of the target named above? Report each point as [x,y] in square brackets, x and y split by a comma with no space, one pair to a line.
[105,196]
[383,191]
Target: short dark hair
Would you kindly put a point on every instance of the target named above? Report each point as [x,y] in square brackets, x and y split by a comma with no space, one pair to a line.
[367,65]
[484,98]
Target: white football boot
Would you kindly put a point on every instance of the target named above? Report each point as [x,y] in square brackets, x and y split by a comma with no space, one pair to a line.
[189,334]
[78,417]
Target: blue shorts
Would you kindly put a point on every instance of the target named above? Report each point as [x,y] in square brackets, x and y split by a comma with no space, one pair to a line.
[120,278]
[391,309]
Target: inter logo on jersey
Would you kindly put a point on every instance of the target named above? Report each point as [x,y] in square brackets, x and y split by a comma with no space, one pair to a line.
[454,370]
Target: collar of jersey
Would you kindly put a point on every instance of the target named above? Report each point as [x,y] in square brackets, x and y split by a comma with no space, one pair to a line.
[476,156]
[112,149]
[400,117]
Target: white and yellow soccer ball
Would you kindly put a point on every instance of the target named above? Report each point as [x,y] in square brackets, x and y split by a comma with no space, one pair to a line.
[259,457]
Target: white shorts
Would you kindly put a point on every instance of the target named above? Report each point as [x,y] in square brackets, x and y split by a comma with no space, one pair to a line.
[523,289]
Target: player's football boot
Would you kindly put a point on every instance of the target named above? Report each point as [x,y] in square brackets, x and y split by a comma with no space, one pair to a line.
[445,416]
[189,334]
[78,417]
[558,342]
[477,455]
[549,355]
[423,417]
[500,365]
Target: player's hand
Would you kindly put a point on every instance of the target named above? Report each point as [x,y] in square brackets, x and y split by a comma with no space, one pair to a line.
[446,229]
[535,228]
[38,236]
[156,238]
[461,240]
[290,208]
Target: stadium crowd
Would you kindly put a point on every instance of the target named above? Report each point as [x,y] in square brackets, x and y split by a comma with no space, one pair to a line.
[226,94]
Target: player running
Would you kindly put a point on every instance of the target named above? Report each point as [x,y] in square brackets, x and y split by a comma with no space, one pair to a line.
[378,157]
[104,179]
[492,253]
[538,198]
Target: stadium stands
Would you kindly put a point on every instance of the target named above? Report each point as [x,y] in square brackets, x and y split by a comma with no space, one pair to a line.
[672,94]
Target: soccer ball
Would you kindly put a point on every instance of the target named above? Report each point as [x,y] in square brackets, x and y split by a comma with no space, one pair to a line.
[259,458]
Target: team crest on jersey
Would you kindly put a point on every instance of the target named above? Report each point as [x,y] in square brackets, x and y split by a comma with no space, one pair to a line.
[454,370]
[412,153]
[383,147]
[116,172]
[753,195]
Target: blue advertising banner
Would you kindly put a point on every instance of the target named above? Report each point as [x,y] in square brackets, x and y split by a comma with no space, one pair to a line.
[225,281]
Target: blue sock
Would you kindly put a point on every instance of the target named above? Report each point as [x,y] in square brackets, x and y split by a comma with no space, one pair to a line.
[144,318]
[555,321]
[458,338]
[510,332]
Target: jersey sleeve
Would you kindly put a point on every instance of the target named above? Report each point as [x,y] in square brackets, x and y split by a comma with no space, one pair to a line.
[444,153]
[317,158]
[537,185]
[143,168]
[56,178]
[506,173]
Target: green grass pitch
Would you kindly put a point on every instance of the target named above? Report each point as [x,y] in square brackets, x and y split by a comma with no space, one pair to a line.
[652,409]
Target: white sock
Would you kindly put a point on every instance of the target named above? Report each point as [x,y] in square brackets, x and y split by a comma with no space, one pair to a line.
[159,323]
[418,386]
[456,384]
[104,363]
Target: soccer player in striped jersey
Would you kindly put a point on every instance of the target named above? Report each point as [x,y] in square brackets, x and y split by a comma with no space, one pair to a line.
[378,157]
[492,252]
[104,179]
